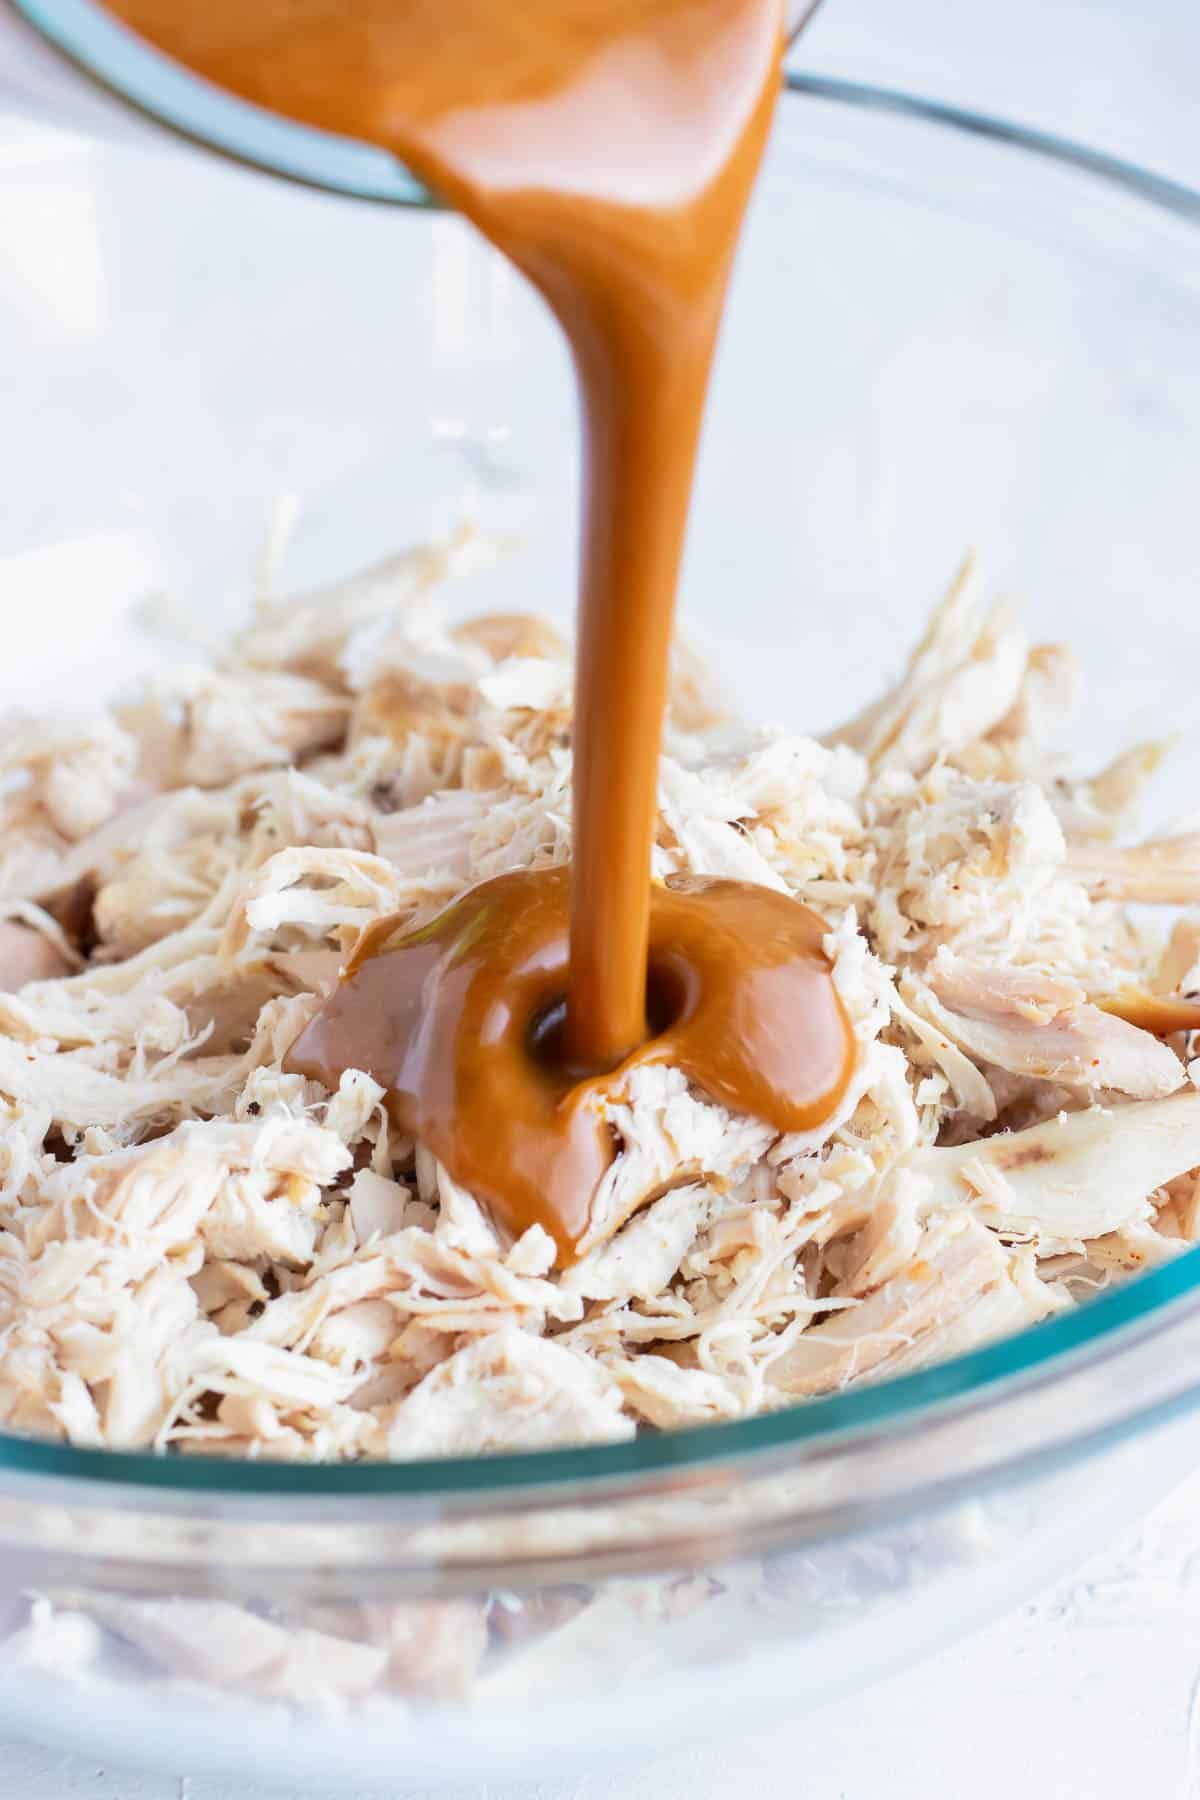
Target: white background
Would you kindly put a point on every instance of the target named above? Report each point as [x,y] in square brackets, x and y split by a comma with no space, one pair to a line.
[1091,1692]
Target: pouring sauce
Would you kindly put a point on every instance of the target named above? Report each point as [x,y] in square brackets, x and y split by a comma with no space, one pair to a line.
[463,1023]
[608,148]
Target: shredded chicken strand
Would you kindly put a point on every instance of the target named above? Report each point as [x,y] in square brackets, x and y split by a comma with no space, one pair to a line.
[203,1254]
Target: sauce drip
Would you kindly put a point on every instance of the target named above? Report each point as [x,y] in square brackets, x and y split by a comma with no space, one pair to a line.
[461,1023]
[608,148]
[1160,1014]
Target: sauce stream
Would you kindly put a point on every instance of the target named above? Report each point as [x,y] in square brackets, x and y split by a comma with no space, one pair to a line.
[608,148]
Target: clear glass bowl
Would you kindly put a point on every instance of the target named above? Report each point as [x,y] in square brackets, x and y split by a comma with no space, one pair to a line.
[943,330]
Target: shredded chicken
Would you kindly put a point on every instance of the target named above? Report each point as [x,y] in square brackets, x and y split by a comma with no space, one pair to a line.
[203,1254]
[1042,1025]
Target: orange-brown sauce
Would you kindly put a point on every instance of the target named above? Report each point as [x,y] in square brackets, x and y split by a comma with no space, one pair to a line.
[461,1023]
[608,147]
[1157,1013]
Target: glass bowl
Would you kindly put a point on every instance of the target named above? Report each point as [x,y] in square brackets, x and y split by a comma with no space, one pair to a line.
[943,330]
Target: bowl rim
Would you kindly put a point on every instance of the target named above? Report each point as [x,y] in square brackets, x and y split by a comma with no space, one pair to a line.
[857,1417]
[193,109]
[170,95]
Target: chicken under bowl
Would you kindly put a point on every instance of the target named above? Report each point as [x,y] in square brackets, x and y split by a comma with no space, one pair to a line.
[291,1424]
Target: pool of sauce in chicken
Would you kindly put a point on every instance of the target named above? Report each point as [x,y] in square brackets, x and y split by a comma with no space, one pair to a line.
[608,148]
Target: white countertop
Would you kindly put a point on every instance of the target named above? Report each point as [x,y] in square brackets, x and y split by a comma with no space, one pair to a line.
[1094,1690]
